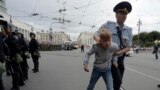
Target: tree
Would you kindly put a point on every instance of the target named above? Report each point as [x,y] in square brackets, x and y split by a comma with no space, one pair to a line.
[135,39]
[146,39]
[154,35]
[143,37]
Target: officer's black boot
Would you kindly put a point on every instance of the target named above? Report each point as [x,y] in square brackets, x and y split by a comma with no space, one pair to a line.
[1,85]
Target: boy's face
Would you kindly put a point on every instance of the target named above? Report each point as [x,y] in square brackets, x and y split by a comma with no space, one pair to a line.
[104,43]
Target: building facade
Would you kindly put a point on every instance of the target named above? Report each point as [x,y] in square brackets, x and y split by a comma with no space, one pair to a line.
[53,37]
[17,25]
[85,38]
[3,6]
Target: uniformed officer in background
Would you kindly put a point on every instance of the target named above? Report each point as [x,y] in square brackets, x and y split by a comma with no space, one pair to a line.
[24,44]
[15,51]
[122,35]
[4,51]
[34,50]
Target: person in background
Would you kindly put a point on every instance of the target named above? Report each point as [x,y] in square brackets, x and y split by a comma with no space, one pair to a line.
[137,48]
[155,51]
[34,50]
[15,50]
[25,52]
[82,48]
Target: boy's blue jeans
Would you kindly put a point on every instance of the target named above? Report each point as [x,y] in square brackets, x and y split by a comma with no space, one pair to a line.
[96,74]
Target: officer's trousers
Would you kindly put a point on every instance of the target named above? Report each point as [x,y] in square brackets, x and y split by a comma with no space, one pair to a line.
[15,69]
[35,61]
[17,75]
[24,67]
[117,73]
[1,83]
[7,64]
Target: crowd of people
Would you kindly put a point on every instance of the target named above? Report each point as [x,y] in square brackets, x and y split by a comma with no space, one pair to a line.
[14,52]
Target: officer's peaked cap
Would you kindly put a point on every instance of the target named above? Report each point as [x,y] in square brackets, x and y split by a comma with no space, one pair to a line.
[123,6]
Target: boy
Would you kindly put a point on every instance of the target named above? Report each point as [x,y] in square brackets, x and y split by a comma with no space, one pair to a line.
[104,51]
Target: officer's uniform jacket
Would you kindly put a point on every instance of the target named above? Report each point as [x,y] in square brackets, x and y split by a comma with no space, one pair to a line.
[126,33]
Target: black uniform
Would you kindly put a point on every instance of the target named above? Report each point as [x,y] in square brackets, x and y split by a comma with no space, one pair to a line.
[3,52]
[25,49]
[33,48]
[14,47]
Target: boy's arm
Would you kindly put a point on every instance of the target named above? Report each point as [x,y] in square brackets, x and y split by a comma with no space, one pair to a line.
[88,54]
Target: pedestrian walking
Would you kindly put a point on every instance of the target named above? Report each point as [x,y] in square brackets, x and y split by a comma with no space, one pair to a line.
[82,48]
[155,51]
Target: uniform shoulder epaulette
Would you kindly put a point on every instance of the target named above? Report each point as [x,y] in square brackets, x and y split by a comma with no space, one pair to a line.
[129,28]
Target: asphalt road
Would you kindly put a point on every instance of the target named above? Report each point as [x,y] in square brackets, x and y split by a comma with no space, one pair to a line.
[63,70]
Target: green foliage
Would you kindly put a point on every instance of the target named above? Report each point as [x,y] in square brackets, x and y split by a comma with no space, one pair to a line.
[146,39]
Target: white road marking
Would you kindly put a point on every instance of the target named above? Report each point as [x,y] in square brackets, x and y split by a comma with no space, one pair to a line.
[133,70]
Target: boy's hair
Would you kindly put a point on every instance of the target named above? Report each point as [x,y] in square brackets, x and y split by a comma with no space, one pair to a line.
[105,34]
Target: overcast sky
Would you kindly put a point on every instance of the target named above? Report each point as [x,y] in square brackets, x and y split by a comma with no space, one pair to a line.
[83,14]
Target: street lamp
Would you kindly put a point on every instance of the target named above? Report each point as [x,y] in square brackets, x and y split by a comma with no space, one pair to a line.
[50,34]
[139,24]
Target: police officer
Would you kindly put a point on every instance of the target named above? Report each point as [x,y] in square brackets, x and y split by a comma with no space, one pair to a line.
[122,35]
[4,52]
[25,51]
[34,49]
[14,47]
